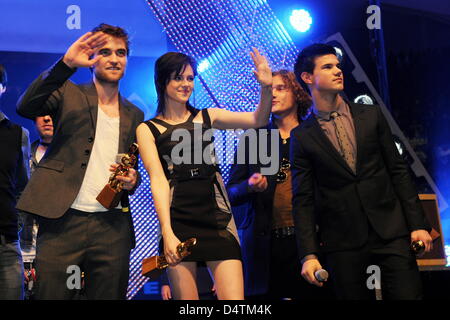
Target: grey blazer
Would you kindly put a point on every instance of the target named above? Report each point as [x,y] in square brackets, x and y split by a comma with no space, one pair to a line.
[58,176]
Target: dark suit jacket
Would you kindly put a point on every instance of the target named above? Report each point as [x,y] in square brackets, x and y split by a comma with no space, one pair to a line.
[326,192]
[58,176]
[253,214]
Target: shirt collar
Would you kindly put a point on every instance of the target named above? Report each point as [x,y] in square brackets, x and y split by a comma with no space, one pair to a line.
[342,108]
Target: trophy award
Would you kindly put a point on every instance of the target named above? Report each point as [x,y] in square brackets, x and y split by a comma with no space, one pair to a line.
[418,247]
[110,196]
[153,267]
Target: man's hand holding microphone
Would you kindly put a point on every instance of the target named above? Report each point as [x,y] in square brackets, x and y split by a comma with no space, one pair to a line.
[313,272]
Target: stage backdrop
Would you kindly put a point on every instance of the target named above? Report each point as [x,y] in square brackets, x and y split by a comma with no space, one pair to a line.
[219,34]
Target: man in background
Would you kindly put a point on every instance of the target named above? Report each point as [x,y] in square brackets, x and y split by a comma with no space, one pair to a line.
[15,146]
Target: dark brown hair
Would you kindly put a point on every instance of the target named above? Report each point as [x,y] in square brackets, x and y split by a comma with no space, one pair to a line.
[114,31]
[167,64]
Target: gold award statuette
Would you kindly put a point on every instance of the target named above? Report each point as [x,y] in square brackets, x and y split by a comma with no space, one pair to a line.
[153,267]
[418,247]
[110,196]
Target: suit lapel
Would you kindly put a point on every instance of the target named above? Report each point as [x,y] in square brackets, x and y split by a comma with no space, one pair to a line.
[358,121]
[124,112]
[271,179]
[125,125]
[322,140]
[92,98]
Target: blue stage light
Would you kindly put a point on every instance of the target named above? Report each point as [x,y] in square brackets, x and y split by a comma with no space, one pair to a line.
[202,66]
[301,20]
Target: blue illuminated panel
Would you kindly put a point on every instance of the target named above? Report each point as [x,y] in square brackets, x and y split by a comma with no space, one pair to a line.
[146,228]
[220,35]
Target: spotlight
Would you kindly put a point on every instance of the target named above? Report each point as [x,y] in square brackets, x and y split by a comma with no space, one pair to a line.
[363,99]
[339,53]
[301,20]
[202,66]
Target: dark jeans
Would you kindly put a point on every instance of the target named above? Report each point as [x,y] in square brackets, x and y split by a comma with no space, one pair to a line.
[97,244]
[11,271]
[400,277]
[285,272]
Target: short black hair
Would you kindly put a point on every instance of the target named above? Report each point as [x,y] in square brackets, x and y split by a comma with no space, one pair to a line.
[114,31]
[3,76]
[305,60]
[168,63]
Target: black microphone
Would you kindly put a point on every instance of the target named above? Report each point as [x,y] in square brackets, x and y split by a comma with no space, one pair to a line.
[321,275]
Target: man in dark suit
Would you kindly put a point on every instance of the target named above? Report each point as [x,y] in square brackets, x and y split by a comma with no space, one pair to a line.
[350,181]
[262,204]
[92,124]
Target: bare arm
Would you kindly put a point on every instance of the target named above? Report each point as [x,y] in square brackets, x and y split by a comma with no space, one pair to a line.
[225,119]
[160,190]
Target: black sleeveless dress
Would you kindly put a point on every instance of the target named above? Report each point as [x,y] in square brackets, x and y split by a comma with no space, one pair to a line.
[199,203]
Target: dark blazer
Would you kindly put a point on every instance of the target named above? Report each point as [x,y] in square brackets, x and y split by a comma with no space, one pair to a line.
[58,176]
[253,214]
[327,193]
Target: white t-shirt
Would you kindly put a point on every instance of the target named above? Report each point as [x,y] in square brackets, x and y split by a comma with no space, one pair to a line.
[104,151]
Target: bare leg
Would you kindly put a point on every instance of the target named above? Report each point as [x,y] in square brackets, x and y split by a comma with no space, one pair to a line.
[182,280]
[228,279]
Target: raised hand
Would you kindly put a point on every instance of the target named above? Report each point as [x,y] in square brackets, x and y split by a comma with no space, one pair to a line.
[80,52]
[263,72]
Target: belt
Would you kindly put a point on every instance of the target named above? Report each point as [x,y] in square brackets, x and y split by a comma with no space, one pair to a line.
[4,239]
[192,172]
[283,232]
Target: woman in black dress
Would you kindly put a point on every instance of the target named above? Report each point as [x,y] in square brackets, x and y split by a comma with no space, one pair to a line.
[188,191]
